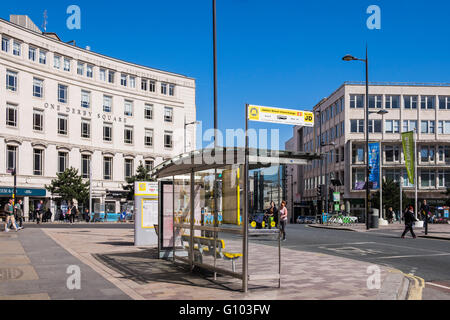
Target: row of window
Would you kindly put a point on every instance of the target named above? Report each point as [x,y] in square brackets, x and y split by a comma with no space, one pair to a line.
[393,101]
[393,126]
[38,91]
[63,127]
[84,69]
[63,163]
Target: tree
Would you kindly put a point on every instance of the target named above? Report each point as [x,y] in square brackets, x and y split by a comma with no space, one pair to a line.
[69,185]
[142,174]
[391,196]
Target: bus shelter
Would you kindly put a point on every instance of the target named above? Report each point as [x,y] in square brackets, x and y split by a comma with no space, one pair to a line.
[204,218]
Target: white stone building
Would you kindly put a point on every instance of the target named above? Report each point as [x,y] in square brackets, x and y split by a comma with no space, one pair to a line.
[341,117]
[65,106]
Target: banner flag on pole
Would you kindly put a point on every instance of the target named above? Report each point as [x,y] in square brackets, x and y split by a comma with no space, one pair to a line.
[408,151]
[374,164]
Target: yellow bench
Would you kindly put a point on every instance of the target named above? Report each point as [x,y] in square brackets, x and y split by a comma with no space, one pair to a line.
[205,246]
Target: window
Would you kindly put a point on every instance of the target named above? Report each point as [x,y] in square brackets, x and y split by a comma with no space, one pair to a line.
[32,53]
[357,126]
[409,125]
[427,127]
[171,90]
[410,102]
[62,161]
[132,82]
[144,84]
[406,182]
[359,178]
[444,102]
[67,64]
[393,102]
[107,132]
[148,111]
[427,178]
[375,126]
[128,168]
[342,154]
[123,79]
[42,57]
[62,93]
[38,120]
[392,154]
[85,128]
[168,143]
[128,108]
[148,139]
[38,158]
[444,127]
[358,154]
[337,158]
[375,101]
[427,154]
[11,115]
[85,99]
[11,158]
[107,168]
[128,135]
[164,88]
[102,75]
[356,101]
[107,104]
[444,154]
[11,80]
[111,76]
[16,48]
[57,62]
[152,86]
[148,165]
[427,102]
[392,126]
[62,124]
[168,114]
[80,68]
[5,44]
[444,179]
[38,88]
[89,71]
[85,166]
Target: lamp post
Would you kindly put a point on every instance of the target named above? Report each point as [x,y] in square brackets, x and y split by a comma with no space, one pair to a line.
[366,61]
[185,125]
[319,113]
[326,172]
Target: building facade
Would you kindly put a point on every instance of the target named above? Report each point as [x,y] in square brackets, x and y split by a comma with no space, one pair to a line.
[340,124]
[64,106]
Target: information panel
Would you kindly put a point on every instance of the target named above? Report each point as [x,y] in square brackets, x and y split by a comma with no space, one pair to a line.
[281,116]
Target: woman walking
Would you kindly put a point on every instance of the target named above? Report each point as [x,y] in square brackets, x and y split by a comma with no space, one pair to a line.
[283,219]
[409,222]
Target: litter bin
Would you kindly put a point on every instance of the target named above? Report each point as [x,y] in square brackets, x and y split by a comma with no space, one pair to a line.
[374,218]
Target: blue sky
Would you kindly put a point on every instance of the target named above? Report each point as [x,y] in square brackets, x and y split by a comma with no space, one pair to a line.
[283,53]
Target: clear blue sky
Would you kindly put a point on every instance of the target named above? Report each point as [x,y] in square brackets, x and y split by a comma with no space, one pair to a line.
[283,53]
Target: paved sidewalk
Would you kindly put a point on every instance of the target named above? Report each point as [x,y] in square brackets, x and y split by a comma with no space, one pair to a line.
[34,267]
[435,231]
[138,272]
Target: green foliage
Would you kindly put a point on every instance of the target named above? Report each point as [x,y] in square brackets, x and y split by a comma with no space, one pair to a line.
[69,185]
[391,196]
[142,174]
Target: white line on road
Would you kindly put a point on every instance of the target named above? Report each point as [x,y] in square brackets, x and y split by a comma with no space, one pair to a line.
[334,244]
[415,256]
[438,285]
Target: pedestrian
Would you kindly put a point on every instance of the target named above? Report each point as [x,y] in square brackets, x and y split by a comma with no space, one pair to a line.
[425,211]
[19,213]
[86,217]
[283,219]
[275,212]
[39,211]
[390,215]
[409,222]
[70,213]
[9,212]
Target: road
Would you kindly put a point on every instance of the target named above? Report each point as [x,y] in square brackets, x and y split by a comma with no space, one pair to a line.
[426,258]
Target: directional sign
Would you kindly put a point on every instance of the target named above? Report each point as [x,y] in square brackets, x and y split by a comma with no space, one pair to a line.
[281,116]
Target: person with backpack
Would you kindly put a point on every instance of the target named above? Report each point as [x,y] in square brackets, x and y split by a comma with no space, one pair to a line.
[409,222]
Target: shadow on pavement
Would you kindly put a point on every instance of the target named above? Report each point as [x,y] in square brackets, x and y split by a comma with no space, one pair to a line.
[144,267]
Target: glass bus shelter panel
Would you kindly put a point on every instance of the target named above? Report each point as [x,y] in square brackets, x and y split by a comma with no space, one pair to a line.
[181,214]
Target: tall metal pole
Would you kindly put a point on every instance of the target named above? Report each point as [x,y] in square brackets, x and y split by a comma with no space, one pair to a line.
[401,195]
[245,224]
[367,140]
[90,185]
[321,166]
[215,72]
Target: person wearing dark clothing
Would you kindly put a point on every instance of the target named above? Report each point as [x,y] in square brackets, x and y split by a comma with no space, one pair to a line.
[390,215]
[425,211]
[275,212]
[71,213]
[19,213]
[409,222]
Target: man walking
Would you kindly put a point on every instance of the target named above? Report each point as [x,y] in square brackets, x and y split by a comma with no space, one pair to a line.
[9,212]
[39,211]
[409,222]
[19,213]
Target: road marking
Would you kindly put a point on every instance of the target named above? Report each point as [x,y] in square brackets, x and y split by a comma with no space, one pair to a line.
[438,285]
[334,244]
[411,248]
[415,291]
[414,256]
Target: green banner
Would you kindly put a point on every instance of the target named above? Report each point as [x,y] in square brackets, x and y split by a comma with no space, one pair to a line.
[408,151]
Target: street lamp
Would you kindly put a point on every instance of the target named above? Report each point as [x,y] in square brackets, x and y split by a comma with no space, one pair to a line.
[366,61]
[185,125]
[333,144]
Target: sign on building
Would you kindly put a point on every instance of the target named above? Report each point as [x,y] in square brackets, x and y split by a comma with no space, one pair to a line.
[281,116]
